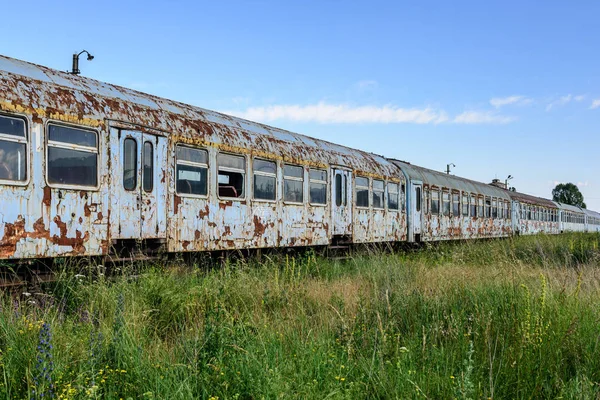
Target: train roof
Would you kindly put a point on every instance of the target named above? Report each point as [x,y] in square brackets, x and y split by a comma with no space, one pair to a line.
[45,93]
[591,213]
[441,179]
[529,199]
[568,207]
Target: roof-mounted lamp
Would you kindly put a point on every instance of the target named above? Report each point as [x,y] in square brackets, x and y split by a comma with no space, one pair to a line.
[75,70]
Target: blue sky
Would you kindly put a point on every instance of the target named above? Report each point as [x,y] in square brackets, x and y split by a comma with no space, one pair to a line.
[496,88]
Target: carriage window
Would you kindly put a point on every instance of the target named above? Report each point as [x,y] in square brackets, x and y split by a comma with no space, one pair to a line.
[508,212]
[418,198]
[494,208]
[13,149]
[480,207]
[473,205]
[192,171]
[265,179]
[338,189]
[362,191]
[435,202]
[232,174]
[148,178]
[488,207]
[130,164]
[377,194]
[446,203]
[72,156]
[426,199]
[293,184]
[392,196]
[455,204]
[403,196]
[318,186]
[465,205]
[500,209]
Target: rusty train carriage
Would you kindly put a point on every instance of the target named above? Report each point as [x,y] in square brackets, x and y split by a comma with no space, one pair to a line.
[533,215]
[180,178]
[171,174]
[447,207]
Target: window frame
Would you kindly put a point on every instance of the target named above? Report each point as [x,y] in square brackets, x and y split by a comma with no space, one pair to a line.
[151,166]
[446,193]
[455,199]
[387,201]
[293,178]
[326,182]
[437,201]
[229,169]
[26,141]
[266,174]
[196,165]
[426,200]
[135,169]
[464,205]
[72,147]
[362,187]
[382,191]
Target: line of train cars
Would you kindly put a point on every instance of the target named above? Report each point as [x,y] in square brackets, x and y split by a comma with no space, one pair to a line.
[88,168]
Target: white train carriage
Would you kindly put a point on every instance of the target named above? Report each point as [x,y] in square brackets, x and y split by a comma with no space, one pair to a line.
[572,218]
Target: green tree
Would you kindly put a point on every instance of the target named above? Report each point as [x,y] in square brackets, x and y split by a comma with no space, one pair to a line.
[568,193]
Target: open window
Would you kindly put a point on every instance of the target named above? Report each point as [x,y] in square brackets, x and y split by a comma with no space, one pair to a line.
[72,156]
[232,176]
[318,186]
[192,171]
[13,149]
[265,179]
[293,184]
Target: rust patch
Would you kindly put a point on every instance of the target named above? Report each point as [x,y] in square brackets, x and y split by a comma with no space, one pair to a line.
[259,227]
[176,203]
[197,234]
[185,244]
[204,213]
[224,204]
[47,199]
[227,230]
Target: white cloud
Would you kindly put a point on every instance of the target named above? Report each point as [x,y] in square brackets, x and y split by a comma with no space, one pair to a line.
[510,100]
[343,114]
[595,104]
[561,101]
[482,117]
[366,84]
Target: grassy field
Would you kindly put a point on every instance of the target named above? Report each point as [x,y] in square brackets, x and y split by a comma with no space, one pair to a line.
[510,319]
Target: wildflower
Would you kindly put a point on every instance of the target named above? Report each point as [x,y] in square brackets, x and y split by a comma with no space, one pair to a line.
[44,368]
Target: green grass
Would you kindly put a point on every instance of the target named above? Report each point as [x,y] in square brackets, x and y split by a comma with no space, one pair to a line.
[511,319]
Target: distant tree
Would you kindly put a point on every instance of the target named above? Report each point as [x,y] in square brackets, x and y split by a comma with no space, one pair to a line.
[568,193]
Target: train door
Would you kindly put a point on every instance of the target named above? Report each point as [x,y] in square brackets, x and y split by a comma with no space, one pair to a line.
[416,205]
[342,202]
[138,185]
